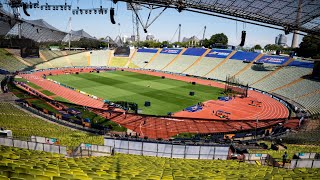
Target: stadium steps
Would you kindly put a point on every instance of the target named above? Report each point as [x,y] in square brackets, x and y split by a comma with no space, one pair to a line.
[249,65]
[66,57]
[198,60]
[275,71]
[222,62]
[88,58]
[309,94]
[42,57]
[45,59]
[111,54]
[130,60]
[18,57]
[173,60]
[154,57]
[287,85]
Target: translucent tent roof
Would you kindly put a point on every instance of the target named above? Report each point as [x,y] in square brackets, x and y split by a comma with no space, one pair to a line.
[6,22]
[38,30]
[77,35]
[303,15]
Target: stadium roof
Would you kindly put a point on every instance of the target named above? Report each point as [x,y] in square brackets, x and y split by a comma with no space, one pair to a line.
[284,13]
[77,35]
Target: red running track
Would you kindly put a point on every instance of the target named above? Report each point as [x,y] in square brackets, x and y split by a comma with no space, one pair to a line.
[243,116]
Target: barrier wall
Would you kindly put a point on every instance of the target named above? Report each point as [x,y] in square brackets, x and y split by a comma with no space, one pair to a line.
[305,163]
[273,59]
[244,56]
[33,146]
[302,64]
[170,51]
[167,150]
[255,157]
[147,50]
[194,51]
[219,53]
[306,155]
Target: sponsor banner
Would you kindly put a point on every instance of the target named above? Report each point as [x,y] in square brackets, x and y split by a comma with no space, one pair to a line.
[244,56]
[273,59]
[302,64]
[170,51]
[194,51]
[148,50]
[219,53]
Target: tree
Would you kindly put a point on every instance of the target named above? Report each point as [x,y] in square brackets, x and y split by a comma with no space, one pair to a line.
[257,46]
[273,47]
[309,47]
[220,38]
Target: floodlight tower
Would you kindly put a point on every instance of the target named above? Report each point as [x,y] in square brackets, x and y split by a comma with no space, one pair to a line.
[69,29]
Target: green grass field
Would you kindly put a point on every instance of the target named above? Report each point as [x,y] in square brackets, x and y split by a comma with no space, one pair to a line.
[165,95]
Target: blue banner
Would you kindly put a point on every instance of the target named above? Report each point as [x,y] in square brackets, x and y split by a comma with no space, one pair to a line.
[273,59]
[170,51]
[244,56]
[219,53]
[147,50]
[194,51]
[302,64]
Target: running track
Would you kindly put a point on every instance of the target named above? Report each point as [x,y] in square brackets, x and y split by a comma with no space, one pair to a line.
[243,116]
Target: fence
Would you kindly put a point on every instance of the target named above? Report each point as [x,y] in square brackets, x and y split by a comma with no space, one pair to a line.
[33,145]
[305,163]
[167,149]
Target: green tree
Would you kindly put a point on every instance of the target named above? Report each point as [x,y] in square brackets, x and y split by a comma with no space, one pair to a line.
[273,47]
[220,38]
[257,46]
[309,47]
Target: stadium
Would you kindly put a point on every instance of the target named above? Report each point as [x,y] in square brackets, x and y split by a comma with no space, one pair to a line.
[77,107]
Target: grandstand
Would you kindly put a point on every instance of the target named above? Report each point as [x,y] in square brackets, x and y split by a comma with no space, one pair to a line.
[142,57]
[25,125]
[99,58]
[164,58]
[185,60]
[38,165]
[9,62]
[159,113]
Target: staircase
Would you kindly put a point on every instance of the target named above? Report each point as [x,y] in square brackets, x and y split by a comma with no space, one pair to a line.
[130,60]
[222,62]
[173,60]
[249,65]
[158,52]
[198,60]
[273,72]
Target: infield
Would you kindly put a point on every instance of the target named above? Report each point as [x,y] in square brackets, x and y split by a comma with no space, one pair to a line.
[165,95]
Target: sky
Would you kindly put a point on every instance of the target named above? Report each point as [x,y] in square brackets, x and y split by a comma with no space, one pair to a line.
[163,28]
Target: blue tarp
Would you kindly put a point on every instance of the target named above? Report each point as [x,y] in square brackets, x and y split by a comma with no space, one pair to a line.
[244,56]
[194,108]
[147,50]
[225,98]
[170,51]
[273,59]
[194,51]
[219,53]
[302,64]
